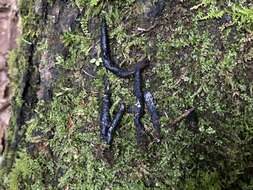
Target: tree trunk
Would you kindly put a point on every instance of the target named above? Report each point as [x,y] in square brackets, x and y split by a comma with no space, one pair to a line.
[200,55]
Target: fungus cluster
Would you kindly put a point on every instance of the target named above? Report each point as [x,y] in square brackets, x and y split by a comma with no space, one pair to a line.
[108,127]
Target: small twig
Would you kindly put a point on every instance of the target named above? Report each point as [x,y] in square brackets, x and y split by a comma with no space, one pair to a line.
[92,76]
[27,42]
[196,6]
[181,117]
[143,30]
[225,26]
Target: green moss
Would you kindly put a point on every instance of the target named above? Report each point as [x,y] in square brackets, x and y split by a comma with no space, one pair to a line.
[199,61]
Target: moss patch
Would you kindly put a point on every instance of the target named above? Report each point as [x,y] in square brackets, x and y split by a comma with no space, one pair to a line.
[201,56]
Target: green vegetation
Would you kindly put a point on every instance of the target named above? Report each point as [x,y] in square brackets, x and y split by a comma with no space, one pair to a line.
[201,55]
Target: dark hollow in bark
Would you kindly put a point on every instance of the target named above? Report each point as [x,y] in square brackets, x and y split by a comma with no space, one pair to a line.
[3,143]
[192,120]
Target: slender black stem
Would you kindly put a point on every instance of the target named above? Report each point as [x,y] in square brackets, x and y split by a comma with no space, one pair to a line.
[139,106]
[107,128]
[106,57]
[115,123]
[105,118]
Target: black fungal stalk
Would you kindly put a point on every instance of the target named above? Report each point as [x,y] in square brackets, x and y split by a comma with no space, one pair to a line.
[150,103]
[115,123]
[106,57]
[139,106]
[107,128]
[105,118]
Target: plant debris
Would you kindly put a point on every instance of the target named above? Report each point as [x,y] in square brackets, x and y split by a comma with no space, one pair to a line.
[186,114]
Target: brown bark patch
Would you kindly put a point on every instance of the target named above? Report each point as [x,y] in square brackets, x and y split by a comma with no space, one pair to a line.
[8,35]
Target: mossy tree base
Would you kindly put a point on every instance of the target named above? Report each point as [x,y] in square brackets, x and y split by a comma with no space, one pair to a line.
[200,54]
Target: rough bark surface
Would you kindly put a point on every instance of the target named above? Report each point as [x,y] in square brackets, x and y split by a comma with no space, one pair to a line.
[8,34]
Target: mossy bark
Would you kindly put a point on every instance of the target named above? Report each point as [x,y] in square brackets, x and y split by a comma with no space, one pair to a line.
[43,24]
[200,54]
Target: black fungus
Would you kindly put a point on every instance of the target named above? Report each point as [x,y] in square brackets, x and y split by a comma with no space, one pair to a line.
[105,118]
[150,103]
[106,57]
[107,128]
[139,106]
[115,123]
